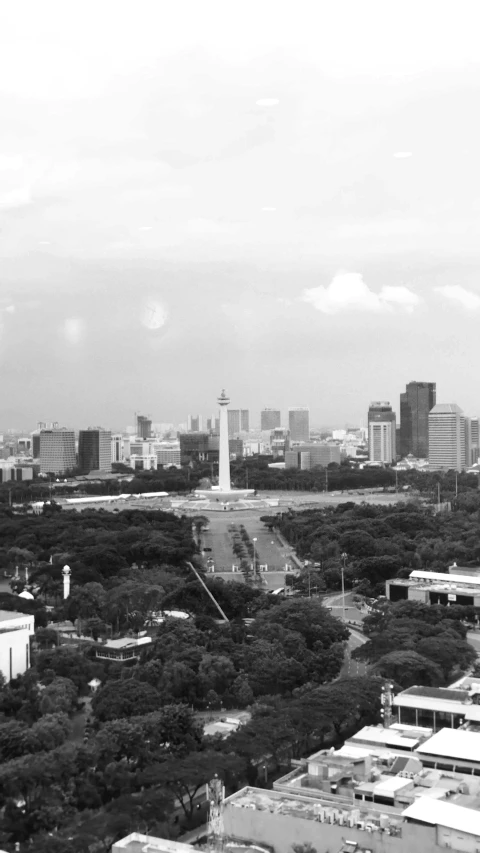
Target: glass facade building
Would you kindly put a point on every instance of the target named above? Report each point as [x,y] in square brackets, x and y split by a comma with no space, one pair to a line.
[94,450]
[416,402]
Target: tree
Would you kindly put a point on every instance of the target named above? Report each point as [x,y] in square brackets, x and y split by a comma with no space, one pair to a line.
[307,617]
[448,652]
[185,776]
[345,702]
[407,667]
[59,695]
[125,699]
[67,663]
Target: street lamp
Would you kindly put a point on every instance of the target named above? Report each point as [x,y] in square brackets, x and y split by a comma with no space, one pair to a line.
[254,557]
[344,557]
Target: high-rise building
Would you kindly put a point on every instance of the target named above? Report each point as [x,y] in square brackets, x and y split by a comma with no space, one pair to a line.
[213,424]
[475,441]
[381,433]
[279,442]
[416,402]
[194,423]
[270,419]
[312,455]
[94,450]
[238,421]
[299,423]
[117,448]
[446,437]
[57,450]
[144,427]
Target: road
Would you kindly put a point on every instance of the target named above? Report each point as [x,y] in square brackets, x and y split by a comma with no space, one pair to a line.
[356,639]
[271,551]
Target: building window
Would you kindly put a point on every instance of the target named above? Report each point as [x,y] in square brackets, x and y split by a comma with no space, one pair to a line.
[26,655]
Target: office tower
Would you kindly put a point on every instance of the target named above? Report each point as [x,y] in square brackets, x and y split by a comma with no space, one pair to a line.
[381,432]
[471,441]
[116,448]
[94,450]
[299,423]
[168,454]
[475,441]
[312,455]
[238,421]
[57,450]
[194,423]
[270,419]
[144,427]
[416,402]
[195,445]
[446,437]
[213,425]
[279,442]
[36,444]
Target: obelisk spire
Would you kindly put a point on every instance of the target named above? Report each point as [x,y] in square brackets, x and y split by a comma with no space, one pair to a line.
[224,451]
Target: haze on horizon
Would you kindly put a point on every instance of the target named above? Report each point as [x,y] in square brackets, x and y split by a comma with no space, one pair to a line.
[280,200]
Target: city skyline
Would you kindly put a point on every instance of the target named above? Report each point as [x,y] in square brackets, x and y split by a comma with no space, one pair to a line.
[281,194]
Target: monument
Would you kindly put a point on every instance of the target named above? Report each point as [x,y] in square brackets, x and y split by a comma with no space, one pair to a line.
[66,572]
[223,493]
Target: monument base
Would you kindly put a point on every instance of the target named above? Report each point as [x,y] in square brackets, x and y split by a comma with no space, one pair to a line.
[225,496]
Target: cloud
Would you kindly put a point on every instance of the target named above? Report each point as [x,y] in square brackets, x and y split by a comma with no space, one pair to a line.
[73,330]
[348,292]
[468,300]
[154,315]
[18,197]
[267,102]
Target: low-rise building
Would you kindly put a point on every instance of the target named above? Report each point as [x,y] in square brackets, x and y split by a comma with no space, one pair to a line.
[15,632]
[439,707]
[122,650]
[435,588]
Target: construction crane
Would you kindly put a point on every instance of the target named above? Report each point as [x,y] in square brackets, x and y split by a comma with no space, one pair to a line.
[222,614]
[215,797]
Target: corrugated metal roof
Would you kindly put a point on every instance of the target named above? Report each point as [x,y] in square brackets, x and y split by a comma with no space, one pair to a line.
[436,693]
[453,743]
[440,813]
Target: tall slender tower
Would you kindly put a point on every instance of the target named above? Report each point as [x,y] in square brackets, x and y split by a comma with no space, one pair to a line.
[66,572]
[224,452]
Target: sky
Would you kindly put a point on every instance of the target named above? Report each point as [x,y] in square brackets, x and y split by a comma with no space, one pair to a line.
[279,199]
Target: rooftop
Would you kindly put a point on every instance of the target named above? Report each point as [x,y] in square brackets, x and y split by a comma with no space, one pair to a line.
[379,735]
[430,810]
[305,807]
[436,693]
[453,743]
[446,409]
[8,615]
[137,843]
[126,642]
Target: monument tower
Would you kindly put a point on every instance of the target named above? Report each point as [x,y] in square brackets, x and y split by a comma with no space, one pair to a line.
[223,497]
[224,450]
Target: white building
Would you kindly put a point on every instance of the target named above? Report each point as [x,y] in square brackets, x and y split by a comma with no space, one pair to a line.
[57,450]
[144,461]
[15,632]
[446,438]
[381,441]
[168,454]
